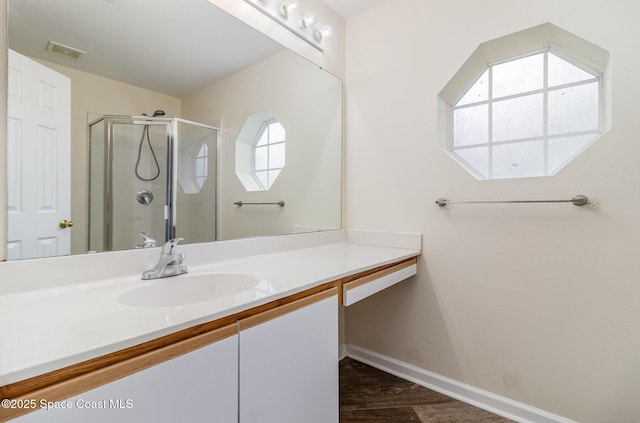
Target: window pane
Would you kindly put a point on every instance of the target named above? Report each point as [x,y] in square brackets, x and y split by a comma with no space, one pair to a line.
[200,163]
[260,158]
[518,76]
[276,156]
[478,91]
[518,160]
[518,118]
[264,137]
[471,126]
[262,178]
[204,151]
[477,158]
[200,167]
[574,109]
[276,132]
[562,72]
[562,150]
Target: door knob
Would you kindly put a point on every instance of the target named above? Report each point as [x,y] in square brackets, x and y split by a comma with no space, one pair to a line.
[64,224]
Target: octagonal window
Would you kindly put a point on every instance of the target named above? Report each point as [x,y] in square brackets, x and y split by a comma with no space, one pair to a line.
[527,114]
[260,151]
[269,153]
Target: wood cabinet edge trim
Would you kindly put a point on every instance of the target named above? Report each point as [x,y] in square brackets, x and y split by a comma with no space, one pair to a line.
[379,274]
[268,315]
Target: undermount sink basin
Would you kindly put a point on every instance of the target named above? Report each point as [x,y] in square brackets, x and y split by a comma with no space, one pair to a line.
[188,289]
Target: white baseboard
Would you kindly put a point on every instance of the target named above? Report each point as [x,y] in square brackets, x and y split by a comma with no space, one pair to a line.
[477,397]
[342,351]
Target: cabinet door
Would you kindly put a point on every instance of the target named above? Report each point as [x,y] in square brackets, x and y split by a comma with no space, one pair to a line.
[200,386]
[289,363]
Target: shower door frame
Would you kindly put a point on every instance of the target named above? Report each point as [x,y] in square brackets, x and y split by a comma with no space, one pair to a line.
[170,207]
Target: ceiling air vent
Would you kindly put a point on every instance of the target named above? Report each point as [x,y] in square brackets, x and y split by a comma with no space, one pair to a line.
[65,50]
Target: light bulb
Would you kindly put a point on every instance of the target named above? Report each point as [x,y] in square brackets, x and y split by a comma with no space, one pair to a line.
[308,20]
[323,32]
[286,7]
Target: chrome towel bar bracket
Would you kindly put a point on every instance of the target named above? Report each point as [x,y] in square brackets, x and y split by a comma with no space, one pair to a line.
[578,200]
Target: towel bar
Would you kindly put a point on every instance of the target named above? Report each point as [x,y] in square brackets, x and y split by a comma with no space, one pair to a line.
[578,200]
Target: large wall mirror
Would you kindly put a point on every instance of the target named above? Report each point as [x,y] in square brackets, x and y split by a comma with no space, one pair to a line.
[125,94]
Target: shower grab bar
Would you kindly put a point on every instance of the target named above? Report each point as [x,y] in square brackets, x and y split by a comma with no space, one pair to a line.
[578,200]
[242,203]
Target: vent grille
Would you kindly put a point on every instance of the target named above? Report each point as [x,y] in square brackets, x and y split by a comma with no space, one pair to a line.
[64,50]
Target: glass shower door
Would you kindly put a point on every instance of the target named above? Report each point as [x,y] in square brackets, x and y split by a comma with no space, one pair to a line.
[195,194]
[151,175]
[140,163]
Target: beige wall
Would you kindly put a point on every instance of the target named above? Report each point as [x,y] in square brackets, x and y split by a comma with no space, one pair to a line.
[307,102]
[539,303]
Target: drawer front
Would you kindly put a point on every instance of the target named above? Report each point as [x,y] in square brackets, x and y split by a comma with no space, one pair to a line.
[359,289]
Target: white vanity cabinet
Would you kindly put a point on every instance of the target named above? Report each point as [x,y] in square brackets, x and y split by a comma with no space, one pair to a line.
[289,362]
[199,386]
[274,363]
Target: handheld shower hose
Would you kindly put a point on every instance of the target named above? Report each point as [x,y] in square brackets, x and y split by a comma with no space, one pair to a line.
[145,135]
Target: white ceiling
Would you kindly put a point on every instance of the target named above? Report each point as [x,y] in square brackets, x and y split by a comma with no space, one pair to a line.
[349,8]
[172,47]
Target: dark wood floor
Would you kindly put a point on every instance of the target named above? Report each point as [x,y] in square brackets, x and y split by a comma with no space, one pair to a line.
[369,395]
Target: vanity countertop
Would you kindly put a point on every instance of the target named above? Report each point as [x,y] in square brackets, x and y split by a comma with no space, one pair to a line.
[50,328]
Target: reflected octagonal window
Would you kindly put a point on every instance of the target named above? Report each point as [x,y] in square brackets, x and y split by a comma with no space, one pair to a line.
[260,151]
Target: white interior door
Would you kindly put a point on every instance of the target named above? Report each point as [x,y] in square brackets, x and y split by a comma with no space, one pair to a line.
[38,174]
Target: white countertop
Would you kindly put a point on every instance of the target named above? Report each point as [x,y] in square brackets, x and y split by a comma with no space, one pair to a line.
[53,327]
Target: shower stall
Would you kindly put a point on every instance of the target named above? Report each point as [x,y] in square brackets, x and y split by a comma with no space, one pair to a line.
[152,178]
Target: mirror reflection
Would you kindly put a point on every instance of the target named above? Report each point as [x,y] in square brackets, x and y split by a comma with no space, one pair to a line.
[92,169]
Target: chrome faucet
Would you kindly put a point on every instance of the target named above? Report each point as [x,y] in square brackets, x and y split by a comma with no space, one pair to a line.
[147,241]
[170,263]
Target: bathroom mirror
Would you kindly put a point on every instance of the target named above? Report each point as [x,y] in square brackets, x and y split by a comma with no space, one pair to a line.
[195,62]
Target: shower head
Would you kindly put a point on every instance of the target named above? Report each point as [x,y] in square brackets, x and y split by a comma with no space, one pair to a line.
[157,113]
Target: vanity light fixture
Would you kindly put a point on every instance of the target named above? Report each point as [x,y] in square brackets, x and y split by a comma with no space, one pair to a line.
[287,13]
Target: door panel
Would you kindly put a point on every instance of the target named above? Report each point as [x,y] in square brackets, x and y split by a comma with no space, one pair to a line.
[38,169]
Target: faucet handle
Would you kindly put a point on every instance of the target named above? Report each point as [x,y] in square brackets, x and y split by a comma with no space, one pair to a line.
[170,247]
[147,241]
